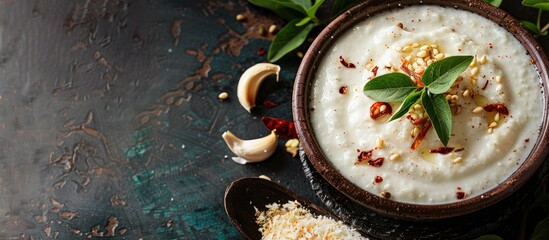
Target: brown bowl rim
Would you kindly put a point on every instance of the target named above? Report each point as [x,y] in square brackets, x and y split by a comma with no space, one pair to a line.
[401,210]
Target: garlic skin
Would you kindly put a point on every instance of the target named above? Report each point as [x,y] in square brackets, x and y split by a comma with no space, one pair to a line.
[251,151]
[251,80]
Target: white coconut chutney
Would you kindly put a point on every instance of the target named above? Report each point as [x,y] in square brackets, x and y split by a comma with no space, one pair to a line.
[486,147]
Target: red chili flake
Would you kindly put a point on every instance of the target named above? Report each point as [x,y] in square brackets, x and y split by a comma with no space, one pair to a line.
[459,188]
[421,135]
[261,51]
[269,104]
[498,107]
[343,90]
[375,110]
[378,179]
[412,74]
[527,140]
[460,195]
[459,149]
[491,46]
[364,156]
[442,150]
[376,163]
[486,84]
[284,129]
[374,72]
[418,121]
[345,63]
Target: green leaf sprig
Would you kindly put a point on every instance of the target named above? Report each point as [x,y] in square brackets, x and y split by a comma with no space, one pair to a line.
[437,79]
[536,28]
[302,18]
[495,3]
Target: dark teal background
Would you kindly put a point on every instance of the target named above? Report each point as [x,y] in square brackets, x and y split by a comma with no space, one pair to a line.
[107,127]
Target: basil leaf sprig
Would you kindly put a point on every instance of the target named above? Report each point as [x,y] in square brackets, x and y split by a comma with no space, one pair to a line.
[536,28]
[437,78]
[302,18]
[495,3]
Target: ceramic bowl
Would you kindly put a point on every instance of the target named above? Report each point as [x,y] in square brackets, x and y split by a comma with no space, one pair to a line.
[385,206]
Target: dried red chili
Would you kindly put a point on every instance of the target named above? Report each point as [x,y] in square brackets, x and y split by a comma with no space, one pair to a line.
[442,150]
[269,104]
[343,90]
[486,84]
[364,156]
[376,111]
[345,63]
[421,135]
[284,129]
[378,179]
[412,74]
[374,72]
[261,51]
[419,121]
[376,163]
[460,195]
[498,107]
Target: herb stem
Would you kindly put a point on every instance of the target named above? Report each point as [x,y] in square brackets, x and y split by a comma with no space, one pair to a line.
[539,19]
[545,28]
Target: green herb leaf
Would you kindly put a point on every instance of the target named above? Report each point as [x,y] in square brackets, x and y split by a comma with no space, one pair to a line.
[533,28]
[410,101]
[440,75]
[289,38]
[341,6]
[303,22]
[539,4]
[286,9]
[305,4]
[541,232]
[489,237]
[437,108]
[312,11]
[494,3]
[392,87]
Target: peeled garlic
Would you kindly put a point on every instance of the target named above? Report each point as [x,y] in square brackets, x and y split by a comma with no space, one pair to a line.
[249,151]
[251,80]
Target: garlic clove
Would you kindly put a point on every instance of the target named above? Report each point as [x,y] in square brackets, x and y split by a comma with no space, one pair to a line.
[250,151]
[251,80]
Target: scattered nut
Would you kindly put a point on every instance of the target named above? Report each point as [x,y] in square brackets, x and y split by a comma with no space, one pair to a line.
[457,160]
[499,79]
[478,110]
[483,59]
[240,18]
[466,93]
[394,156]
[261,31]
[490,130]
[493,125]
[292,146]
[294,143]
[474,71]
[292,151]
[422,54]
[380,143]
[272,29]
[223,96]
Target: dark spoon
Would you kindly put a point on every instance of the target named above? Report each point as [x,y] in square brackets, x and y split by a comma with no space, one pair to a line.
[244,194]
